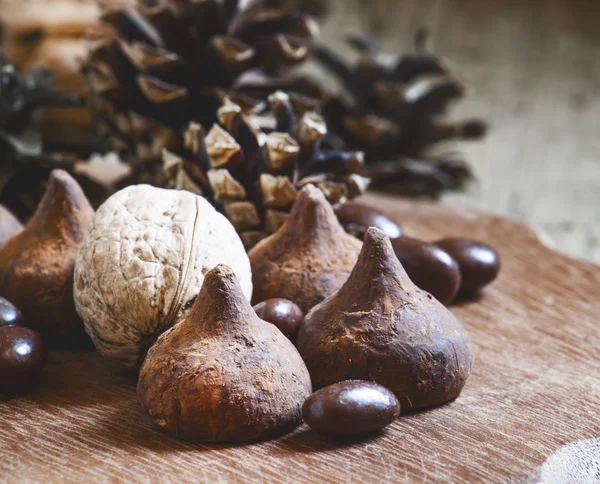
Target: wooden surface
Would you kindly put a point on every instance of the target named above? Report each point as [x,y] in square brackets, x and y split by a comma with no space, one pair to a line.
[534,74]
[535,387]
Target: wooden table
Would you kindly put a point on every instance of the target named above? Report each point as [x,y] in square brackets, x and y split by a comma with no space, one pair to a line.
[535,387]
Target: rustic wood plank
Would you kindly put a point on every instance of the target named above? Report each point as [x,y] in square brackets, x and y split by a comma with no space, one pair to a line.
[535,387]
[532,66]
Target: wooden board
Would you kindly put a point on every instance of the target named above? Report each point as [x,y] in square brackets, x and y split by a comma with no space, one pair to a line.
[535,387]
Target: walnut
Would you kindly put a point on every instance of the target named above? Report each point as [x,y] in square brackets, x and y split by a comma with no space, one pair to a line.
[143,262]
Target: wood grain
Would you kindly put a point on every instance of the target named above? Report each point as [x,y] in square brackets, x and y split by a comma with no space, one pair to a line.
[533,72]
[535,387]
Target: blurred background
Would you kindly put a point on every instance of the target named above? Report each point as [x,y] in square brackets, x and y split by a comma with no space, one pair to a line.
[532,73]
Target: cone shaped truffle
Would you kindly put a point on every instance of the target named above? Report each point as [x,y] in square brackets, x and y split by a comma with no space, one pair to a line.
[308,258]
[379,326]
[222,374]
[36,265]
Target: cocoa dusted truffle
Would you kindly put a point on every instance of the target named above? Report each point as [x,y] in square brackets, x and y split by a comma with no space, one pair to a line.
[36,264]
[381,327]
[308,258]
[222,374]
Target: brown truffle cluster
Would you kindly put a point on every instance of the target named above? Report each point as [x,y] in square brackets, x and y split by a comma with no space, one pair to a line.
[373,323]
[372,340]
[189,93]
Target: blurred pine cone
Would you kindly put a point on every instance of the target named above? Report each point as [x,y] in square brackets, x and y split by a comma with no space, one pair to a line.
[394,114]
[49,34]
[24,163]
[171,62]
[251,166]
[316,8]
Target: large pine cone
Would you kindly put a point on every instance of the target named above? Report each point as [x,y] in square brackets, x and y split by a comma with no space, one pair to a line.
[25,163]
[395,115]
[252,166]
[170,62]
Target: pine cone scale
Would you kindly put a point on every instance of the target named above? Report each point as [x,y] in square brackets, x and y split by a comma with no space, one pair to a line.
[395,117]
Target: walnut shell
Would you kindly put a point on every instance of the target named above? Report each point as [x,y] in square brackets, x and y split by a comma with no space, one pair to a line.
[142,265]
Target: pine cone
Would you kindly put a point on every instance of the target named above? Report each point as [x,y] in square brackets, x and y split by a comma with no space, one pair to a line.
[49,34]
[26,158]
[316,8]
[251,166]
[395,115]
[171,62]
[24,166]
